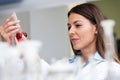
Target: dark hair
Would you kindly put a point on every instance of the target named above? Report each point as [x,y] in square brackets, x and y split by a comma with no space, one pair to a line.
[95,16]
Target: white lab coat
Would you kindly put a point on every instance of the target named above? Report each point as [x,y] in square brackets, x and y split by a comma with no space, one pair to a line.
[97,69]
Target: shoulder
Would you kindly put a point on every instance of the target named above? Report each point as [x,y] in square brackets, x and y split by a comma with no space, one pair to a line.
[115,69]
[106,70]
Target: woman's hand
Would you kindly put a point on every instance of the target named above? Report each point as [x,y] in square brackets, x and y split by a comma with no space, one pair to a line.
[8,29]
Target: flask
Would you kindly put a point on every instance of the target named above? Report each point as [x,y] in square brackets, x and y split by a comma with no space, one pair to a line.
[20,33]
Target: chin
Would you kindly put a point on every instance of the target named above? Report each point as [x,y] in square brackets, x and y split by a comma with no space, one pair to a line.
[76,47]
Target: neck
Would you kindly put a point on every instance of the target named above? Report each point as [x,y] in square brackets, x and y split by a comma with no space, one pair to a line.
[87,52]
[86,55]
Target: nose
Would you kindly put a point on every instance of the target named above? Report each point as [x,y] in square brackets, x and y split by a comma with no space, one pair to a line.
[72,30]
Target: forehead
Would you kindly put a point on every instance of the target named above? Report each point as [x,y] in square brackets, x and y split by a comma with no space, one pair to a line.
[76,17]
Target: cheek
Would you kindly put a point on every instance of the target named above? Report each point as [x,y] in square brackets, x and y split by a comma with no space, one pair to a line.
[88,39]
[89,35]
[85,39]
[86,36]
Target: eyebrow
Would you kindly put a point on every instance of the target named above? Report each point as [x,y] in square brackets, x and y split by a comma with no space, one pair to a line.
[74,22]
[77,21]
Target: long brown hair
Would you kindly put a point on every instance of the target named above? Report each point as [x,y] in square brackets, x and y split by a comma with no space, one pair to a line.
[95,16]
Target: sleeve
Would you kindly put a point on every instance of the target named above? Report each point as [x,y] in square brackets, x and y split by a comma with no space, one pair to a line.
[44,63]
[44,66]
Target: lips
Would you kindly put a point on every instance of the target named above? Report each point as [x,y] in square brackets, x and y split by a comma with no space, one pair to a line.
[74,40]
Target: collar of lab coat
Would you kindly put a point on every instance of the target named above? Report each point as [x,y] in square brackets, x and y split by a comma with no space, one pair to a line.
[98,58]
[95,57]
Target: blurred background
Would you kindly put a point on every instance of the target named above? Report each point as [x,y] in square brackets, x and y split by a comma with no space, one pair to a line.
[46,21]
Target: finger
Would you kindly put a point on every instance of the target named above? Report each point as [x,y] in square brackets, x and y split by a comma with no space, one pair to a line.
[16,41]
[11,39]
[6,38]
[23,37]
[11,28]
[11,33]
[12,23]
[6,35]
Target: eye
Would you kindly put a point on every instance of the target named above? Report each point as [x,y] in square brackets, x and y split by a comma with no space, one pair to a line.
[69,28]
[77,25]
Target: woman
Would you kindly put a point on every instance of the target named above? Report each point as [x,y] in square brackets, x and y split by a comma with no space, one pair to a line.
[87,38]
[85,32]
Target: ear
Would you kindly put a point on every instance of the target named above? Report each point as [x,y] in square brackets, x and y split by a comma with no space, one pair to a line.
[95,29]
[96,32]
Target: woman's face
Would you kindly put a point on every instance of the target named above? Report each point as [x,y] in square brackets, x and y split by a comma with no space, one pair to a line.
[81,32]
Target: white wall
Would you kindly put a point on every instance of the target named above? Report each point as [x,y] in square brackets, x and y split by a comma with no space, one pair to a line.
[50,26]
